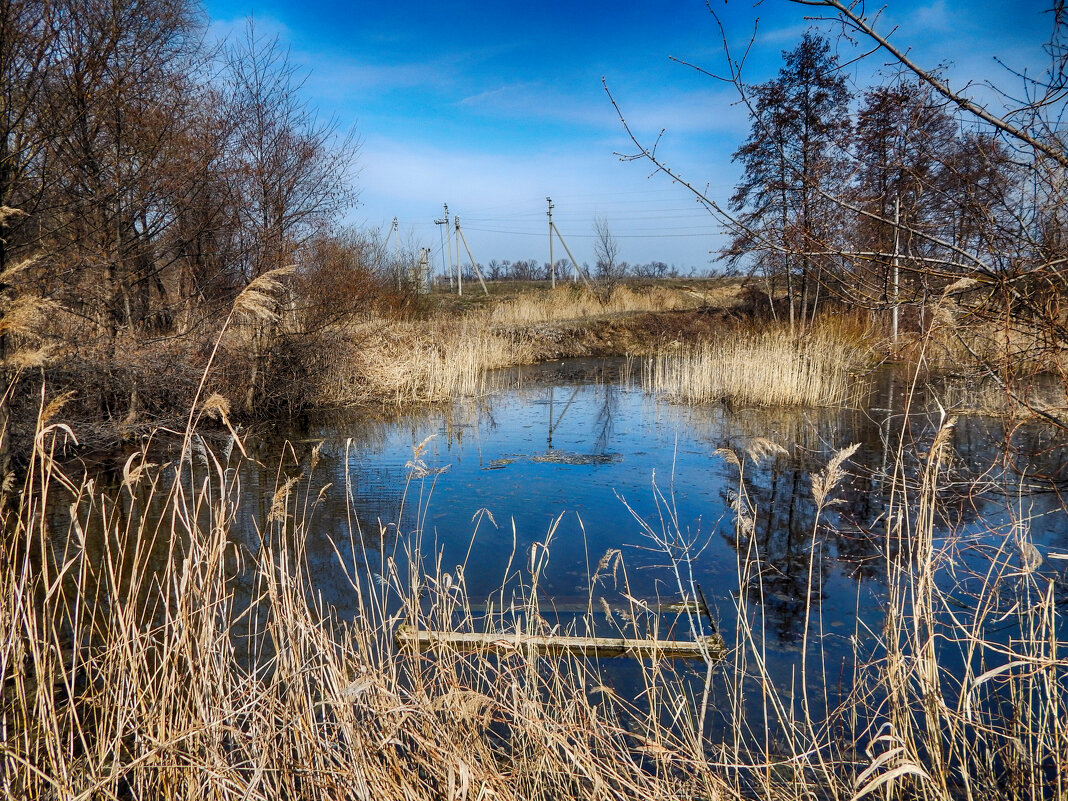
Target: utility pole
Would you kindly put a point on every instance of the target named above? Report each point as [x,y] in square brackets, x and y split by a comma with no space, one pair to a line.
[422,283]
[448,241]
[552,264]
[574,264]
[459,273]
[395,232]
[441,240]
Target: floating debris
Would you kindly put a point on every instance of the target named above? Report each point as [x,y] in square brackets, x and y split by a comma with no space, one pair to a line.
[557,457]
[563,457]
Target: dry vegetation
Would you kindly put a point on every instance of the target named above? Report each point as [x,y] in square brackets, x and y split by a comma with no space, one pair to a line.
[389,359]
[391,362]
[947,700]
[572,302]
[152,655]
[766,366]
[147,656]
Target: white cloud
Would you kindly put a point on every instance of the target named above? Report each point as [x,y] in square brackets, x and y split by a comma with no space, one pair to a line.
[235,28]
[685,112]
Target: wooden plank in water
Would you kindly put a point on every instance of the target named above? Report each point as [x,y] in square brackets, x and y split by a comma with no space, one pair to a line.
[552,645]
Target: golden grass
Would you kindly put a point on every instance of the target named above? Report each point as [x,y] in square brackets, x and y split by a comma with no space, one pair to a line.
[416,362]
[766,367]
[157,656]
[574,303]
[154,657]
[384,361]
[953,336]
[948,705]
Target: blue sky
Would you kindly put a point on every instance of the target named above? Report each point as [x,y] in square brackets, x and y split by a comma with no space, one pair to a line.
[492,106]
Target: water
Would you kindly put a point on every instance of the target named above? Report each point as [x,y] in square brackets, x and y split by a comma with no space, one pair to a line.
[573,459]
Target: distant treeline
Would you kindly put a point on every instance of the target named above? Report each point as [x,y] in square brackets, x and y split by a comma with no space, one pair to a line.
[534,270]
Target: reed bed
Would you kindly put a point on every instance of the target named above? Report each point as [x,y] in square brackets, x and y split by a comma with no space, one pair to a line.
[149,649]
[160,655]
[412,362]
[766,367]
[575,303]
[963,691]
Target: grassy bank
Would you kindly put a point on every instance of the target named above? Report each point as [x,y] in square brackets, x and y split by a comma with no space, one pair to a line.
[290,342]
[383,360]
[150,649]
[275,353]
[694,353]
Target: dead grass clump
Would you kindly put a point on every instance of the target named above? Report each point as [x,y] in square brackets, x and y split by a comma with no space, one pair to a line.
[953,335]
[414,362]
[765,367]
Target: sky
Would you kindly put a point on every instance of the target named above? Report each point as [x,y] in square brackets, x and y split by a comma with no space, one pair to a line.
[491,107]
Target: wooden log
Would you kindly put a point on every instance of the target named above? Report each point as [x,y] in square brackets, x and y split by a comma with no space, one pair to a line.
[553,645]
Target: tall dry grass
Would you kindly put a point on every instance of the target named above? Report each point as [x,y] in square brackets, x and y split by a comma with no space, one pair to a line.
[763,367]
[152,654]
[575,303]
[147,651]
[952,334]
[962,693]
[386,361]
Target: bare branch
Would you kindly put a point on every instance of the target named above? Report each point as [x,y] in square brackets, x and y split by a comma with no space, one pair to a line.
[860,23]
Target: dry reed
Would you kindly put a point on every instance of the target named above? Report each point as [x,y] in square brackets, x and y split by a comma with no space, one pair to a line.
[413,362]
[760,368]
[154,655]
[574,303]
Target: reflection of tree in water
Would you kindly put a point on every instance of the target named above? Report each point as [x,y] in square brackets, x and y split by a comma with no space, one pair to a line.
[780,540]
[851,534]
[604,425]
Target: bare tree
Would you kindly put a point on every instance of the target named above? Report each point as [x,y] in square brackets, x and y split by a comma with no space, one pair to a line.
[296,170]
[991,205]
[608,269]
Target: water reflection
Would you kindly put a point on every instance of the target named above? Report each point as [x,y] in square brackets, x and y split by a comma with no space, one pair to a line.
[570,454]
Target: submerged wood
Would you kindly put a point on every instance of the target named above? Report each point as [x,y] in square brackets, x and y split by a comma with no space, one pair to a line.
[553,645]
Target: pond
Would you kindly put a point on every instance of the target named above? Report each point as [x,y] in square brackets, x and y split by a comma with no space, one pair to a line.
[575,458]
